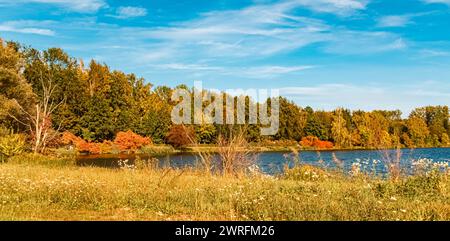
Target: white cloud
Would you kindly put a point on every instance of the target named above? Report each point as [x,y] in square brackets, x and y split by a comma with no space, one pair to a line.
[257,72]
[394,21]
[130,12]
[270,71]
[73,5]
[367,96]
[257,31]
[24,27]
[224,38]
[400,20]
[438,1]
[189,67]
[360,43]
[265,30]
[254,31]
[331,96]
[339,7]
[433,53]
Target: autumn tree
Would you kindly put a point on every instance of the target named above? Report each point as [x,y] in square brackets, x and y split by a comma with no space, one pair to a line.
[372,129]
[445,140]
[181,135]
[52,91]
[340,133]
[436,119]
[292,121]
[129,140]
[15,93]
[40,121]
[417,130]
[67,75]
[153,109]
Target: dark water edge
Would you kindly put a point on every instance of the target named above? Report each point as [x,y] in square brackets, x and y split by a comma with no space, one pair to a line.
[371,161]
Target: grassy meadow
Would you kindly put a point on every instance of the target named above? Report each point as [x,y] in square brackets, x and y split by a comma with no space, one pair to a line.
[41,188]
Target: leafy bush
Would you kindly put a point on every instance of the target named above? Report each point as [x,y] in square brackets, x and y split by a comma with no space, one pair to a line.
[312,141]
[130,141]
[86,146]
[125,141]
[430,184]
[11,144]
[180,136]
[70,139]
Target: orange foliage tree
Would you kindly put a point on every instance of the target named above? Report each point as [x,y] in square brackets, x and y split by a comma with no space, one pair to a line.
[81,145]
[312,141]
[180,135]
[130,141]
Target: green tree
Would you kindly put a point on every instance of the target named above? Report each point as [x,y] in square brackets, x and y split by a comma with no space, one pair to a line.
[436,119]
[97,123]
[292,121]
[16,94]
[67,79]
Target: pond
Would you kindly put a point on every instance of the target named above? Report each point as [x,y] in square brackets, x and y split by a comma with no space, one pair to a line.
[373,161]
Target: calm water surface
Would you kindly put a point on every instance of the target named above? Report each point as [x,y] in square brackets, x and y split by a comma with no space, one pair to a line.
[273,162]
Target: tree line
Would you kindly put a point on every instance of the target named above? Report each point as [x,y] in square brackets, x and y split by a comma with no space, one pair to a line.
[46,93]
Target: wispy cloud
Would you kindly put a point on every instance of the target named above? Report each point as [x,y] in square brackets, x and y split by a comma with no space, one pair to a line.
[340,7]
[437,1]
[433,53]
[189,67]
[271,71]
[253,72]
[72,5]
[256,32]
[394,21]
[129,12]
[364,42]
[25,28]
[268,29]
[368,97]
[400,20]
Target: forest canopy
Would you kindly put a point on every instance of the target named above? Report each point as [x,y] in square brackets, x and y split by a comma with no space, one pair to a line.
[51,92]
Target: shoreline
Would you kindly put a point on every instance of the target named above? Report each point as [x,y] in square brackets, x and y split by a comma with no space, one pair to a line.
[161,150]
[214,149]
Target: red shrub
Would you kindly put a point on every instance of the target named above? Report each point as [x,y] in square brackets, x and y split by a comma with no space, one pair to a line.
[70,139]
[80,144]
[91,147]
[180,135]
[324,144]
[312,141]
[130,141]
[308,141]
[124,141]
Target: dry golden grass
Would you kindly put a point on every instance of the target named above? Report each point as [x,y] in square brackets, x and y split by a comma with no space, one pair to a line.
[39,192]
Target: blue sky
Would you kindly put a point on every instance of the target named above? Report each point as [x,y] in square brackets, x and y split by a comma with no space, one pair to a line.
[358,54]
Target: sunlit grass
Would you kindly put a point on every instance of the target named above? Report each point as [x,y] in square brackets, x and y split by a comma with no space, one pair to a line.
[38,192]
